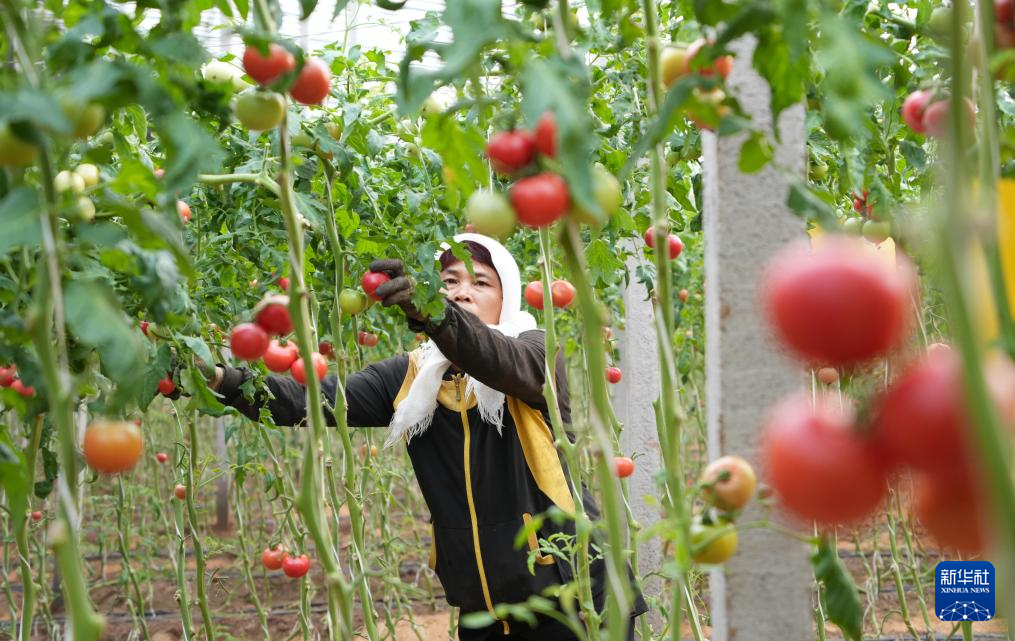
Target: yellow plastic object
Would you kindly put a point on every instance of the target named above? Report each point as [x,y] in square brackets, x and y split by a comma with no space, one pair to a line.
[985,310]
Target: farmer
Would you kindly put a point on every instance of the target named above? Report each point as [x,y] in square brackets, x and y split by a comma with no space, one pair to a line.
[469,404]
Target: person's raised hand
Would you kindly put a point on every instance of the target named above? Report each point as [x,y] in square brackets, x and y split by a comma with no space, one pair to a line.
[398,290]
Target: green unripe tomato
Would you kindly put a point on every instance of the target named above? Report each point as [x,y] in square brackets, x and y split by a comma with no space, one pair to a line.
[853,226]
[877,231]
[718,551]
[352,301]
[69,181]
[607,192]
[818,171]
[260,110]
[86,119]
[89,173]
[85,209]
[491,213]
[14,151]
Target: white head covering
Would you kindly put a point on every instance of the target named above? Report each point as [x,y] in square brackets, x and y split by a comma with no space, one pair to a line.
[415,412]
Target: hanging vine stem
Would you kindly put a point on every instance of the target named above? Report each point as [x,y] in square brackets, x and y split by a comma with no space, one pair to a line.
[570,450]
[308,501]
[989,437]
[123,534]
[669,427]
[28,592]
[46,323]
[339,412]
[619,597]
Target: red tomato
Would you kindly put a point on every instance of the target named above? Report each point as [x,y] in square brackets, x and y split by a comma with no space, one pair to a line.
[265,69]
[613,375]
[272,558]
[1003,11]
[935,117]
[19,386]
[274,317]
[729,482]
[284,283]
[296,566]
[36,516]
[676,246]
[534,294]
[299,372]
[819,468]
[913,107]
[510,151]
[540,200]
[860,203]
[954,514]
[546,135]
[325,348]
[183,209]
[371,281]
[623,466]
[161,457]
[167,386]
[367,339]
[561,293]
[180,492]
[144,327]
[922,421]
[312,85]
[278,358]
[7,375]
[112,446]
[838,304]
[722,65]
[248,341]
[683,295]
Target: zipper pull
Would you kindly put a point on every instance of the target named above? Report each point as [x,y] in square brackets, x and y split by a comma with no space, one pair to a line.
[458,387]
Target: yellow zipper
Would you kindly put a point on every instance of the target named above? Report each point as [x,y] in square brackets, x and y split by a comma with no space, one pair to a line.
[472,506]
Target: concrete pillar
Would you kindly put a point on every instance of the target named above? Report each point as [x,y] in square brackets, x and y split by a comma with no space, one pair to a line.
[632,401]
[764,592]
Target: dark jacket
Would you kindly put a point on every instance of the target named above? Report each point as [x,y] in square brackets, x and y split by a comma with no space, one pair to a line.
[480,486]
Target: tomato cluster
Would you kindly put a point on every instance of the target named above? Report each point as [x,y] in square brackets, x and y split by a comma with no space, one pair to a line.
[277,558]
[312,83]
[727,485]
[838,305]
[9,378]
[252,341]
[562,293]
[926,113]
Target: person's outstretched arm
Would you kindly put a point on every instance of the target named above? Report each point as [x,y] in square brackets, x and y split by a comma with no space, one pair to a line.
[369,394]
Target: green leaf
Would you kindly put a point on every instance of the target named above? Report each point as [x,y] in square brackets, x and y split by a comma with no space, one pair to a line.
[806,203]
[36,107]
[96,320]
[754,153]
[841,594]
[19,219]
[474,25]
